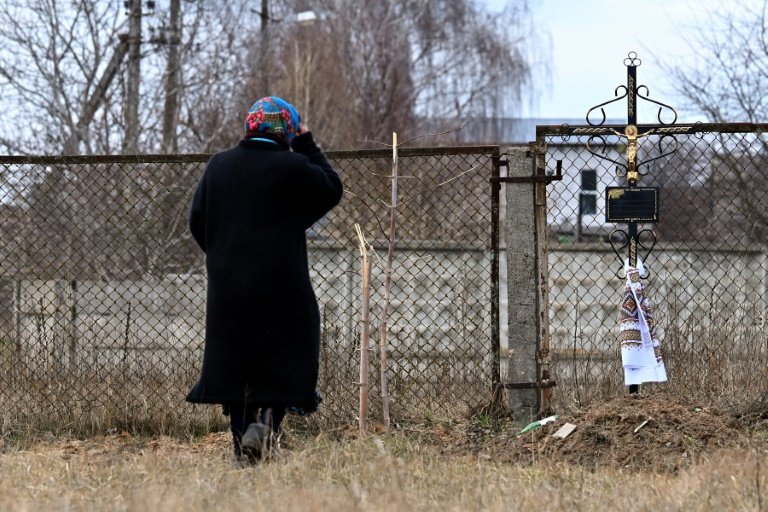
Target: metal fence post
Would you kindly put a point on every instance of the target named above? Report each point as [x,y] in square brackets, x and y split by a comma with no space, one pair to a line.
[495,277]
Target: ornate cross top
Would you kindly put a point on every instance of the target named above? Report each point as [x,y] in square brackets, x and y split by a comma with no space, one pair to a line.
[632,132]
[631,204]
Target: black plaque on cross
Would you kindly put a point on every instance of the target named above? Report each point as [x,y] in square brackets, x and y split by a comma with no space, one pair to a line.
[632,204]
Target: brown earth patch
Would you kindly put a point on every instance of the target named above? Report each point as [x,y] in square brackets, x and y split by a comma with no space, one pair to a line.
[655,432]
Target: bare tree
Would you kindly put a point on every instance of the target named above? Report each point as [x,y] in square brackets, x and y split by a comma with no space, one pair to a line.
[133,80]
[727,78]
[56,69]
[66,86]
[362,69]
[221,72]
[355,69]
[471,62]
[172,82]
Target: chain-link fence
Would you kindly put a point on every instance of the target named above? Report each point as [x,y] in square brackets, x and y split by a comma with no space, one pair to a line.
[103,291]
[708,269]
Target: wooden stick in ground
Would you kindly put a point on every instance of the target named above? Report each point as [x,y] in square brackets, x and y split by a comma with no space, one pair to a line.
[364,330]
[387,290]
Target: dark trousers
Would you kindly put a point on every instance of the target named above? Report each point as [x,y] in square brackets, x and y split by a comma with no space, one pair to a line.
[241,417]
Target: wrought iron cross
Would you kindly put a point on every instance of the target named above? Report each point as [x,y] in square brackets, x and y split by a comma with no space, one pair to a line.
[634,204]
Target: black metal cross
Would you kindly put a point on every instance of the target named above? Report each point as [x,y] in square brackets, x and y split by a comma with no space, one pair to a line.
[631,204]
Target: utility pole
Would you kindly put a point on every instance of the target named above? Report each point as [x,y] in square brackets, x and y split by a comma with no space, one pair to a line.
[131,110]
[264,57]
[172,83]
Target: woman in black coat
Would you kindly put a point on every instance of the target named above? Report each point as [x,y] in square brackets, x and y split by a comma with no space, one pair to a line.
[249,216]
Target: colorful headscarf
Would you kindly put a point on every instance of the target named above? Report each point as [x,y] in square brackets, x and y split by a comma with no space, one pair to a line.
[273,116]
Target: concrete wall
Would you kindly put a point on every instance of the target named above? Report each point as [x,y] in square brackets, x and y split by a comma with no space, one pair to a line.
[440,313]
[689,288]
[143,327]
[440,319]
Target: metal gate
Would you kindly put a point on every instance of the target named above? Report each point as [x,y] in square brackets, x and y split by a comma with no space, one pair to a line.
[103,291]
[705,250]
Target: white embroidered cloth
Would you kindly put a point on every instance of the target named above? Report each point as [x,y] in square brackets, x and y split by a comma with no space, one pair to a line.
[640,347]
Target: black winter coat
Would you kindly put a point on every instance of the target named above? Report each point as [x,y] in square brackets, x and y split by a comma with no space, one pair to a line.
[249,215]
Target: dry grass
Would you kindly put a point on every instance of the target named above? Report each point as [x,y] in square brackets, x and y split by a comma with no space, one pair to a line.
[53,455]
[327,473]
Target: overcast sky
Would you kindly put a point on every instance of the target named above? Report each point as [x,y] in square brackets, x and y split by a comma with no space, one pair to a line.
[591,38]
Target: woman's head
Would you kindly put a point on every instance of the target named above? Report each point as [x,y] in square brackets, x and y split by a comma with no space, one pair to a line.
[273,117]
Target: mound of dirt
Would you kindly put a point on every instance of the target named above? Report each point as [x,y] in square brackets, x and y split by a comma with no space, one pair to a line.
[654,432]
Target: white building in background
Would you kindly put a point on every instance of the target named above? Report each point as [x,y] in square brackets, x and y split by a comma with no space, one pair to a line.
[576,204]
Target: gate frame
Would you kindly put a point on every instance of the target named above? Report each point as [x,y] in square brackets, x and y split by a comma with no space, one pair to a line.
[632,132]
[565,131]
